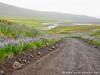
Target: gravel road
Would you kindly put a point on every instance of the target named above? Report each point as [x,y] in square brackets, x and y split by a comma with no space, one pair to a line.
[73,57]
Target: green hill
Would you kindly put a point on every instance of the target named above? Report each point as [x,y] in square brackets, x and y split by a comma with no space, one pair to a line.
[13,11]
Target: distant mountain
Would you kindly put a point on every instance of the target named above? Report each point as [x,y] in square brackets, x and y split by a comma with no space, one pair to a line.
[13,11]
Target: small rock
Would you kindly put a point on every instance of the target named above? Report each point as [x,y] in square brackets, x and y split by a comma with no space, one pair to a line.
[39,53]
[63,72]
[28,62]
[2,72]
[95,46]
[57,45]
[53,47]
[10,57]
[50,49]
[34,49]
[38,60]
[39,63]
[24,61]
[17,65]
[31,55]
[47,51]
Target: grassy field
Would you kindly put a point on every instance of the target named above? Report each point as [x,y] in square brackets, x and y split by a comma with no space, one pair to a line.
[95,33]
[31,22]
[73,29]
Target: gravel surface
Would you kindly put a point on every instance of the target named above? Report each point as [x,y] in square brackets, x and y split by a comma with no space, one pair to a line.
[73,57]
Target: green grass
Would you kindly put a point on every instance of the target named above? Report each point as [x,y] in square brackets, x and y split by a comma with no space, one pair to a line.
[13,50]
[73,29]
[28,22]
[31,22]
[94,41]
[16,31]
[95,33]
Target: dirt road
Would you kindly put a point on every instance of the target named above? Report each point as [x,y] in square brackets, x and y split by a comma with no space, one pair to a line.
[73,57]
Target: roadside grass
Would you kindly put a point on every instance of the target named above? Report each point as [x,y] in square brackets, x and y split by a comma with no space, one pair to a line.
[91,40]
[94,42]
[12,49]
[95,33]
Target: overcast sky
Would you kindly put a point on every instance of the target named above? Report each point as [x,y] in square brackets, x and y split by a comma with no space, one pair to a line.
[80,7]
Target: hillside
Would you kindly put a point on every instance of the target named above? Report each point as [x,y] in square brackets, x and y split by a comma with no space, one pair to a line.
[12,11]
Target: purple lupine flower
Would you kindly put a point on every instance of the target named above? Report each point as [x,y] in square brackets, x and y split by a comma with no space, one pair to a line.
[1,45]
[23,41]
[30,40]
[16,43]
[11,41]
[27,40]
[5,43]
